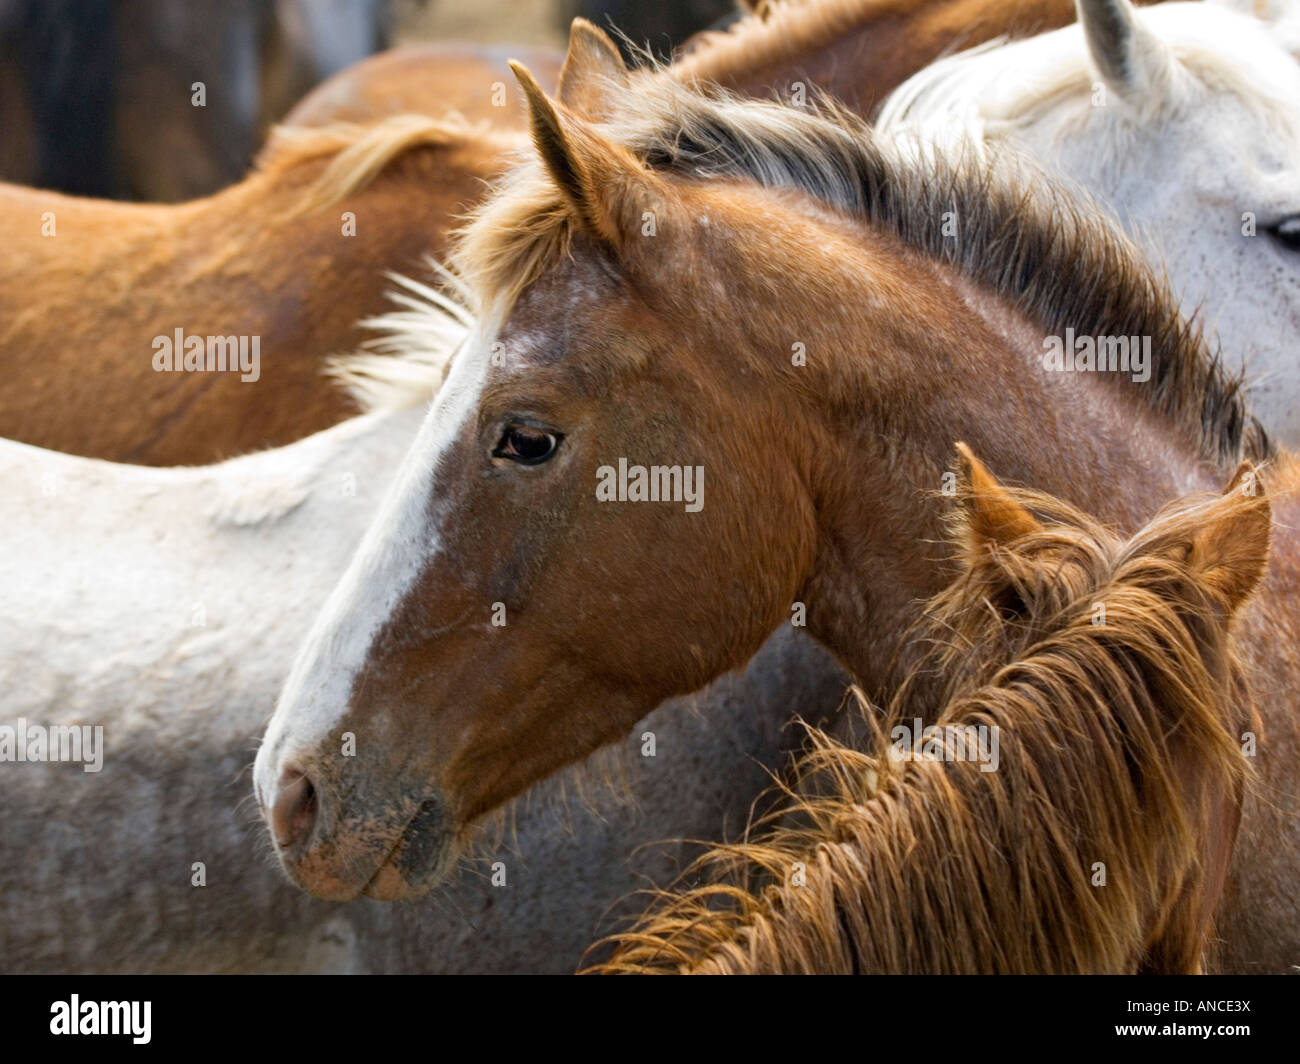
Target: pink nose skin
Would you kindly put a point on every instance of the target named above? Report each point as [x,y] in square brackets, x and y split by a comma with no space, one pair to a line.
[294,811]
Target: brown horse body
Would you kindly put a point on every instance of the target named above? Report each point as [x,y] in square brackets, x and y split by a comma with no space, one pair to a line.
[87,285]
[804,324]
[1076,803]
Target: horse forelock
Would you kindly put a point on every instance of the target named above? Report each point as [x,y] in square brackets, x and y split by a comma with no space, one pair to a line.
[1093,725]
[407,359]
[1068,267]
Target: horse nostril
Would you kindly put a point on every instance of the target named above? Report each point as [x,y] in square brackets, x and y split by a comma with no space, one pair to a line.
[294,810]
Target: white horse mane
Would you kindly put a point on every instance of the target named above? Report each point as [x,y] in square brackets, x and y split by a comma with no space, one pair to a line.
[998,88]
[405,363]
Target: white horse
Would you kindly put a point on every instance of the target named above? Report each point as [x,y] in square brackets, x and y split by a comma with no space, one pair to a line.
[165,606]
[1185,119]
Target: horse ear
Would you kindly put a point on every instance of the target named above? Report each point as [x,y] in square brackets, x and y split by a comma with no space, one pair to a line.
[1230,547]
[1133,61]
[993,515]
[602,181]
[592,68]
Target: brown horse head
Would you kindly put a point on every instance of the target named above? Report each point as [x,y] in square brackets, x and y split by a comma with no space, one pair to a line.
[578,531]
[653,447]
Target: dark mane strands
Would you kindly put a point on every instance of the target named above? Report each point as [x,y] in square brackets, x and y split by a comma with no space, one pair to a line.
[1051,252]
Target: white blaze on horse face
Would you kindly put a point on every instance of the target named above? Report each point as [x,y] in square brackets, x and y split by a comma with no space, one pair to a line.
[397,547]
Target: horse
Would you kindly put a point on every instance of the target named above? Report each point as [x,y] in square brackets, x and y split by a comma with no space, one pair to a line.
[268,278]
[807,313]
[102,396]
[1173,112]
[330,204]
[248,263]
[1186,113]
[164,606]
[950,854]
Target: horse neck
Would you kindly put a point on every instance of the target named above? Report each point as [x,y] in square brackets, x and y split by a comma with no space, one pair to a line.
[885,418]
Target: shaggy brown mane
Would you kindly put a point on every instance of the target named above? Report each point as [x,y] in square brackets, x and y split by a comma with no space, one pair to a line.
[932,866]
[1049,251]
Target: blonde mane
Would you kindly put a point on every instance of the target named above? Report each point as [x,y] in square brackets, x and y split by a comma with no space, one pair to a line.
[406,362]
[885,863]
[360,153]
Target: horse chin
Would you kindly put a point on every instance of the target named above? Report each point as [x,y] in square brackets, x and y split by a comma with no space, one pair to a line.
[422,858]
[389,884]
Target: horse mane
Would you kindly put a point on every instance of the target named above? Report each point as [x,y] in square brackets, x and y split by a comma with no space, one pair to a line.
[998,88]
[360,153]
[931,866]
[1052,253]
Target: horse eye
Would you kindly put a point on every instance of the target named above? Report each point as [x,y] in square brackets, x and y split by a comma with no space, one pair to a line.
[1287,232]
[525,445]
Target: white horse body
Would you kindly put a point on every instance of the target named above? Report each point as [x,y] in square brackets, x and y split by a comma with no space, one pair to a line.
[160,604]
[1183,118]
[165,605]
[173,574]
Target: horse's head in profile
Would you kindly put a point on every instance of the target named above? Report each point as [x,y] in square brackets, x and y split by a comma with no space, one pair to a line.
[604,509]
[701,391]
[1182,118]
